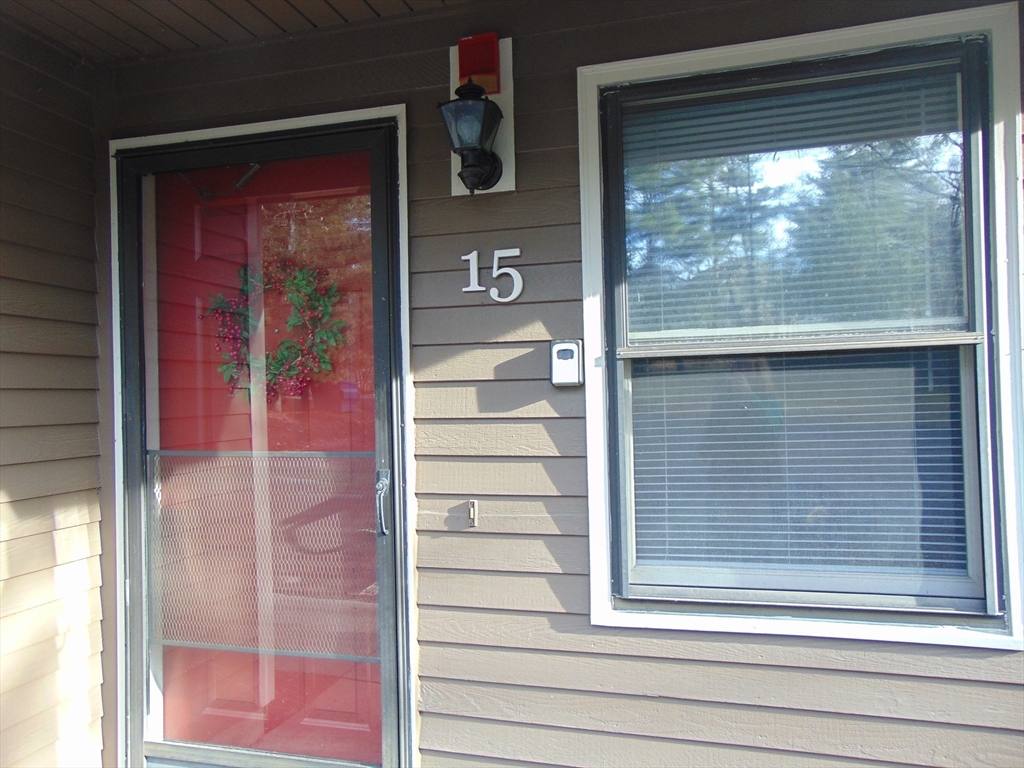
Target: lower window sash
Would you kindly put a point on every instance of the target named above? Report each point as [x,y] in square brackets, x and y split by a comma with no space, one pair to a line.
[841,477]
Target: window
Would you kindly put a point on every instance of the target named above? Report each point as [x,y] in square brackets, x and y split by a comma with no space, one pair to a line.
[800,386]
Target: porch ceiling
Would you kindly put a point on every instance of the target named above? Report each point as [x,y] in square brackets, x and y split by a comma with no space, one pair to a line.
[123,30]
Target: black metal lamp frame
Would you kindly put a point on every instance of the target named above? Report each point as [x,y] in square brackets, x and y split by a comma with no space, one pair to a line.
[472,122]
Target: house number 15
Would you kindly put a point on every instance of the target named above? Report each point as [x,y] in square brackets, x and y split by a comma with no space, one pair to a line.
[496,271]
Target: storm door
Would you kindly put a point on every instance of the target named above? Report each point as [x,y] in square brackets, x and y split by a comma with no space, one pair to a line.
[266,417]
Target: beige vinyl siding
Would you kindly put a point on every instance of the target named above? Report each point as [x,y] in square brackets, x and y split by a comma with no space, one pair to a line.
[510,667]
[50,646]
[511,672]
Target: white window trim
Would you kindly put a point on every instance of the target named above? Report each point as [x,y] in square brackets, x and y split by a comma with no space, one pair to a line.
[1000,24]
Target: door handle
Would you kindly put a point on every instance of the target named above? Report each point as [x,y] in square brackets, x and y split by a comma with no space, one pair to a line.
[382,487]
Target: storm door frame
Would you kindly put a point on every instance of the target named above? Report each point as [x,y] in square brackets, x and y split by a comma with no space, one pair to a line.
[381,132]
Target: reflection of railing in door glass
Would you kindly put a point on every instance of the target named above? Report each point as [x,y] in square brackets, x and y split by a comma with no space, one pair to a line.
[261,533]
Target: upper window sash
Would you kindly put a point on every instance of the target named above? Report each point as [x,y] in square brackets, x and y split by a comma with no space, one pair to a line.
[702,191]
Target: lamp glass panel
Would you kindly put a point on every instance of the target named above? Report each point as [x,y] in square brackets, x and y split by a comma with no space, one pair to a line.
[463,119]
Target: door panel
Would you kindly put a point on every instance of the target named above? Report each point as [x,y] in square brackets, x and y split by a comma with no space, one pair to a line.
[268,582]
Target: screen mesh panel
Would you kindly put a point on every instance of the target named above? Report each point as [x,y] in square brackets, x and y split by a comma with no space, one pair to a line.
[265,553]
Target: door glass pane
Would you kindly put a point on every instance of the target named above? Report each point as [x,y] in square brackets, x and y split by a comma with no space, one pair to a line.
[263,616]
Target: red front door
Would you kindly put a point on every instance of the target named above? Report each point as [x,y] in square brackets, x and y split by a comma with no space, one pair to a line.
[263,423]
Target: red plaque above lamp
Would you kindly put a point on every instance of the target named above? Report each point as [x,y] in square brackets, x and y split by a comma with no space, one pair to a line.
[479,59]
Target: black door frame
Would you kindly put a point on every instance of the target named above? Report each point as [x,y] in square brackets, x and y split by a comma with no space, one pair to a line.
[379,137]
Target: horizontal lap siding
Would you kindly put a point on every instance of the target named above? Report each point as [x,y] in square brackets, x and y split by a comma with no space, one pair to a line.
[50,643]
[511,670]
[489,425]
[510,667]
[991,704]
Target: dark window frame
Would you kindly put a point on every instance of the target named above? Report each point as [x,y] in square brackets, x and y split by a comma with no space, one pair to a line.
[968,57]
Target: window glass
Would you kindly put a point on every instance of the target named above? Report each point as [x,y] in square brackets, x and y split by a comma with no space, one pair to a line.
[796,363]
[823,208]
[802,467]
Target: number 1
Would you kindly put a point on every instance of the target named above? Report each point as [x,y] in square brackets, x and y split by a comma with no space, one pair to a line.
[474,272]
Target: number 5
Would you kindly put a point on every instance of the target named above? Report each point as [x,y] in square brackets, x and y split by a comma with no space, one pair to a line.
[498,271]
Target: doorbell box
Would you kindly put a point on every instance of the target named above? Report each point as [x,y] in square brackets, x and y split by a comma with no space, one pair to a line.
[567,362]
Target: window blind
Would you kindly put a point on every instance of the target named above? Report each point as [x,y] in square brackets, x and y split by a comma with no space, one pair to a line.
[910,104]
[822,463]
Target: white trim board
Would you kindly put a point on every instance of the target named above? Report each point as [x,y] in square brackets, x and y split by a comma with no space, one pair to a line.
[1000,23]
[120,548]
[406,397]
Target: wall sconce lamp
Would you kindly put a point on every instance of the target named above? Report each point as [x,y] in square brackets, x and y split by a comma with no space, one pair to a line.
[472,121]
